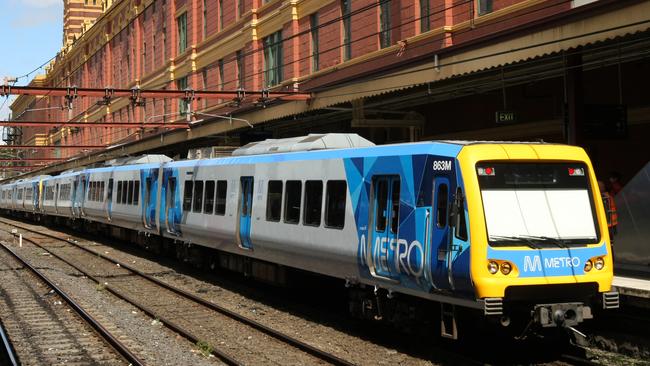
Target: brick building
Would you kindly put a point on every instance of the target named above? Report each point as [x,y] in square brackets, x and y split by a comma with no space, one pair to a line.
[431,64]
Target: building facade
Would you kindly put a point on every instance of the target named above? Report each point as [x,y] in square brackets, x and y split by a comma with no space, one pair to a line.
[347,53]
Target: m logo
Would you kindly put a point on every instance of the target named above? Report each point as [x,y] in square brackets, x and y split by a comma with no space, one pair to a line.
[533,264]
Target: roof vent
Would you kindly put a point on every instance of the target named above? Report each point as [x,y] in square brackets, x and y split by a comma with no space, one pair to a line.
[325,141]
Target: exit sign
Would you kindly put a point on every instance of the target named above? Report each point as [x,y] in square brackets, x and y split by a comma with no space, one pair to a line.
[506,116]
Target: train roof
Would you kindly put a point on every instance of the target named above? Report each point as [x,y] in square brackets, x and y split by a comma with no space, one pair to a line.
[313,141]
[416,148]
[480,142]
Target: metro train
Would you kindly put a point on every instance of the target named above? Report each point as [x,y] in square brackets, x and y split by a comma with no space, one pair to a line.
[515,232]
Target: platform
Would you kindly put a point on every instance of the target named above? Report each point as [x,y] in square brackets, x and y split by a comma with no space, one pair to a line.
[632,287]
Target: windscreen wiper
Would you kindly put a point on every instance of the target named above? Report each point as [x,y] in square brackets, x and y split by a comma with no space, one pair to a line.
[547,239]
[527,240]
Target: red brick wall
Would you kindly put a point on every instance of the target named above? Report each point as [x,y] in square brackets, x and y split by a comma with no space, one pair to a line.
[108,66]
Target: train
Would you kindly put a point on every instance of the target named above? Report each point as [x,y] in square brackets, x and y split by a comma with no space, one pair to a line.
[512,231]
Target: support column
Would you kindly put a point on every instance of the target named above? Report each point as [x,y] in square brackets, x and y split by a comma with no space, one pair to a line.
[574,98]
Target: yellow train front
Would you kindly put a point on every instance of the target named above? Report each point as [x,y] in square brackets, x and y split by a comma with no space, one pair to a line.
[540,248]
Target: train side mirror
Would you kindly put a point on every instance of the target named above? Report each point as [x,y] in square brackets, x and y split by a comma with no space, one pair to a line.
[456,212]
[453,214]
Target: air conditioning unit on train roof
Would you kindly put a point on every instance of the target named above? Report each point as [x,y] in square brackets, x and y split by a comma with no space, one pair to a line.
[142,159]
[313,141]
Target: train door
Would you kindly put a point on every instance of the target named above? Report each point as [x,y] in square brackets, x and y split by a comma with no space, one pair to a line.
[56,198]
[109,199]
[145,203]
[172,211]
[78,195]
[84,188]
[458,240]
[37,196]
[245,211]
[384,226]
[436,251]
[149,204]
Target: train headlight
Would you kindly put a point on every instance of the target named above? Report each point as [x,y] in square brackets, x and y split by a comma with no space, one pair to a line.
[493,267]
[588,265]
[506,268]
[599,263]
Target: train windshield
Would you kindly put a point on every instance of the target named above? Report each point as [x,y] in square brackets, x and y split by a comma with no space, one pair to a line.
[537,204]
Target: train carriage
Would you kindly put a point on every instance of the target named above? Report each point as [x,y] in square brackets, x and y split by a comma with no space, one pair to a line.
[508,229]
[58,194]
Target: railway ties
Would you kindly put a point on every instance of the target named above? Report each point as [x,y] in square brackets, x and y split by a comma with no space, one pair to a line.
[42,330]
[233,338]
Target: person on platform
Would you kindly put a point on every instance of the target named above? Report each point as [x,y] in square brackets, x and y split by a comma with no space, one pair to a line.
[610,212]
[615,185]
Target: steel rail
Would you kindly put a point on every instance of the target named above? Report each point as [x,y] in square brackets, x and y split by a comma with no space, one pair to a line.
[103,332]
[9,349]
[328,357]
[223,356]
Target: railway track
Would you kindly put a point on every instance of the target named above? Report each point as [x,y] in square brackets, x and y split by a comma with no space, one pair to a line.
[234,338]
[7,353]
[42,331]
[571,355]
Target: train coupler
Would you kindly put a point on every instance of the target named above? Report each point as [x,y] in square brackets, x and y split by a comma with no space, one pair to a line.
[561,315]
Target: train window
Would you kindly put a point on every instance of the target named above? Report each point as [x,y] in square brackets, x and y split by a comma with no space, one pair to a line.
[119,192]
[198,196]
[292,202]
[109,192]
[220,207]
[381,192]
[103,190]
[313,202]
[461,226]
[246,194]
[171,193]
[274,201]
[129,198]
[125,192]
[394,218]
[441,209]
[335,204]
[187,195]
[136,192]
[209,197]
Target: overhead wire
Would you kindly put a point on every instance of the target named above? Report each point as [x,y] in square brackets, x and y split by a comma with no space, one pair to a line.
[433,40]
[356,40]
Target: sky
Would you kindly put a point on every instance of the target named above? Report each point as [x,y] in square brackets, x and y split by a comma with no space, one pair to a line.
[31,34]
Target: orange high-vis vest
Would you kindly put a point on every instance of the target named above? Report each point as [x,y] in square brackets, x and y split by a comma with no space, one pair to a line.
[610,210]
